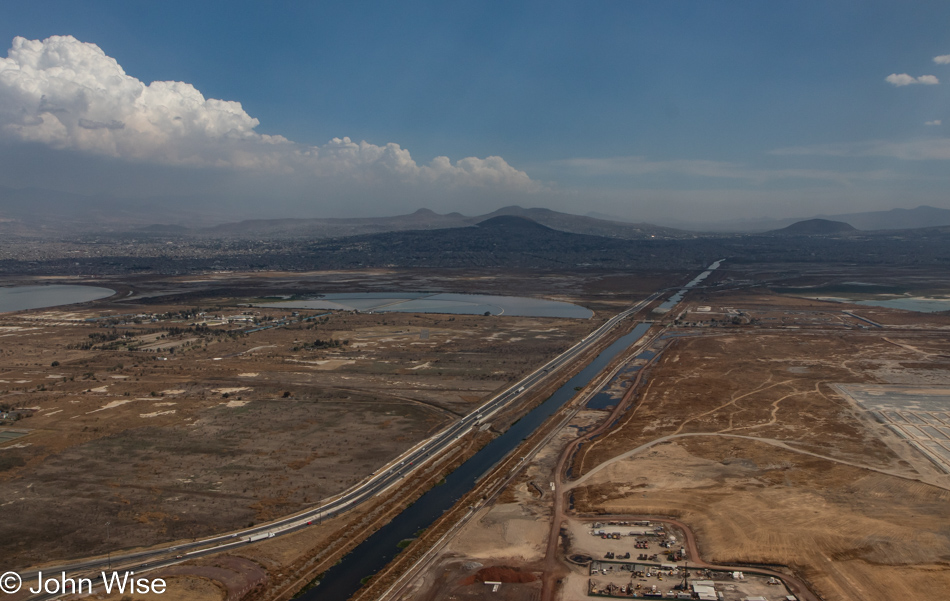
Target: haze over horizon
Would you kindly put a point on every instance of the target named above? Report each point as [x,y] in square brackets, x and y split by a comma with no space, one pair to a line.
[661,113]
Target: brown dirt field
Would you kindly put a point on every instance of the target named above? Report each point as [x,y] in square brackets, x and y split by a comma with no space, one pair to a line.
[147,440]
[457,581]
[765,385]
[817,506]
[180,588]
[501,574]
[509,531]
[853,533]
[234,576]
[761,505]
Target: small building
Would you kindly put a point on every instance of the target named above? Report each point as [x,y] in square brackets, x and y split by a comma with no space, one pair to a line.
[704,590]
[16,414]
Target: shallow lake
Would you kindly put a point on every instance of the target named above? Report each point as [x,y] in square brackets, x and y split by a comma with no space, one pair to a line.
[921,304]
[19,298]
[422,302]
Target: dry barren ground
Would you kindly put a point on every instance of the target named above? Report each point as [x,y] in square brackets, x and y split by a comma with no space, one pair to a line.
[741,435]
[149,415]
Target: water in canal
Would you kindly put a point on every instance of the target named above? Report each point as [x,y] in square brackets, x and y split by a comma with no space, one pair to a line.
[343,579]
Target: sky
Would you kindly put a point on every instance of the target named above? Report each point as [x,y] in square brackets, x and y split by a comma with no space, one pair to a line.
[648,111]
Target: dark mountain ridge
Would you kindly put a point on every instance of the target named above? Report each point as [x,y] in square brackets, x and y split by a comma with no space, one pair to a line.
[816,227]
[891,219]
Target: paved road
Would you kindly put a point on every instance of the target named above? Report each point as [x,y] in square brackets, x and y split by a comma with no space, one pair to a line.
[378,482]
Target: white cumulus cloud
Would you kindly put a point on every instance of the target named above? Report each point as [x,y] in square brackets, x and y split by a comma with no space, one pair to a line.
[70,95]
[903,79]
[934,122]
[943,59]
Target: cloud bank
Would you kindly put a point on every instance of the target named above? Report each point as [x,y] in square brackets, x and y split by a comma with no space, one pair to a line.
[637,165]
[903,79]
[925,149]
[69,95]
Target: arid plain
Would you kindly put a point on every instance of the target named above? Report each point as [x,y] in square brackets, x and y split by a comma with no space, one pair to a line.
[177,410]
[740,430]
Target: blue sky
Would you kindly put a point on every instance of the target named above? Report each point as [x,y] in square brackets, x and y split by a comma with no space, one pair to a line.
[644,110]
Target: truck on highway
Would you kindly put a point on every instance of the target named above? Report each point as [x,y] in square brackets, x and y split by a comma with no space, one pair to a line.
[259,536]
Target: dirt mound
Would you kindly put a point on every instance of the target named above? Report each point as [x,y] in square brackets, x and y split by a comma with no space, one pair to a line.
[500,574]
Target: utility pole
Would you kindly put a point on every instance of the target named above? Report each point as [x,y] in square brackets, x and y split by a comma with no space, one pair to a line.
[108,545]
[686,576]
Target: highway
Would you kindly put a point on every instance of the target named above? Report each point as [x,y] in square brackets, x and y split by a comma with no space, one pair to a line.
[379,481]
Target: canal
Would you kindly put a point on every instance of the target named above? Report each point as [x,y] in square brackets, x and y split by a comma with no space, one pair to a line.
[345,578]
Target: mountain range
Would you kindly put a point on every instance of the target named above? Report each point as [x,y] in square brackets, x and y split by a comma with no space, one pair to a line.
[38,212]
[892,219]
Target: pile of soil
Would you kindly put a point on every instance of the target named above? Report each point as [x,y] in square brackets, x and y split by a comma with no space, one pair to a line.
[500,574]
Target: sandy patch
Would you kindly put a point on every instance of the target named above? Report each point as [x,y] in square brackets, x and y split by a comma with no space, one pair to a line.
[629,474]
[330,364]
[100,389]
[233,404]
[19,445]
[507,530]
[326,364]
[112,405]
[157,413]
[230,390]
[250,374]
[426,364]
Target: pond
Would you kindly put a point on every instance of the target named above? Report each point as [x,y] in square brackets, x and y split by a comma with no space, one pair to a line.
[921,304]
[424,302]
[19,298]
